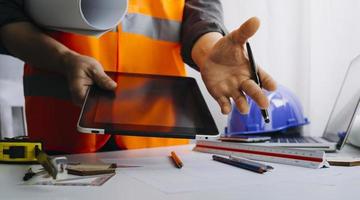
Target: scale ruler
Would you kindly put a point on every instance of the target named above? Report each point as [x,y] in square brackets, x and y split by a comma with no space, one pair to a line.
[297,157]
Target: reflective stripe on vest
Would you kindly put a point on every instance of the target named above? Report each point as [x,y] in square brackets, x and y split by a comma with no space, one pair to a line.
[155,28]
[50,86]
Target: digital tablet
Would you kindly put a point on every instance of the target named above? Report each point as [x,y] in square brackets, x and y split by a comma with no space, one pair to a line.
[148,105]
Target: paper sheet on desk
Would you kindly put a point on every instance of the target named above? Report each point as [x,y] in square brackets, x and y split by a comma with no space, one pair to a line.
[197,173]
[85,17]
[201,173]
[65,179]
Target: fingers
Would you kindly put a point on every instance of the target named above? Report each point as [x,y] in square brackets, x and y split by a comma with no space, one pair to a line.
[230,89]
[82,72]
[247,86]
[221,94]
[236,86]
[255,92]
[102,79]
[80,83]
[267,81]
[225,105]
[240,102]
[78,89]
[246,30]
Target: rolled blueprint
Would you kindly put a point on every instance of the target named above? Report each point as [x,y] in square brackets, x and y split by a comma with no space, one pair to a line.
[89,17]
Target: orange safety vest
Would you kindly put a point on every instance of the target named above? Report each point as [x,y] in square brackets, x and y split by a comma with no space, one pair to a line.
[147,41]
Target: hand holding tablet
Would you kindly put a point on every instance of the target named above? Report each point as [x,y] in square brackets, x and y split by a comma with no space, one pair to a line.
[148,105]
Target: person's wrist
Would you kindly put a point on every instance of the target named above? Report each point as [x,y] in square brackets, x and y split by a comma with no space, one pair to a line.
[65,59]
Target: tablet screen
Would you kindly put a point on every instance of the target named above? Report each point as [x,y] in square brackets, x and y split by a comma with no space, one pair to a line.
[149,105]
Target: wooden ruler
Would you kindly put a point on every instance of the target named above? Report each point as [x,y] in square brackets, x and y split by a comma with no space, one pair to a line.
[297,157]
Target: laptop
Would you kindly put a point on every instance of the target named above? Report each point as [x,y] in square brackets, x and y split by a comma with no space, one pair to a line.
[339,123]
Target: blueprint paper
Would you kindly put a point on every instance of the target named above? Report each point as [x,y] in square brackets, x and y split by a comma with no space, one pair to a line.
[201,173]
[87,17]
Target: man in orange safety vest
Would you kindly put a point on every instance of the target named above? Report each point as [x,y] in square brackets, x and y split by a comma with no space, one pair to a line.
[154,37]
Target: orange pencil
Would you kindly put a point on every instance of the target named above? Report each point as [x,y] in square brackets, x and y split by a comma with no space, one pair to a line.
[178,163]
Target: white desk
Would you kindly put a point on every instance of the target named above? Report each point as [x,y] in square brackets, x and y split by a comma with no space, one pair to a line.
[285,182]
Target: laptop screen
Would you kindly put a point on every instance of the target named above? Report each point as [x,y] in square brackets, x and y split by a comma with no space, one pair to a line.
[346,106]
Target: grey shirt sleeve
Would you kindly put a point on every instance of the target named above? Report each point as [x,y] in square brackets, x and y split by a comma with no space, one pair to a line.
[11,11]
[200,17]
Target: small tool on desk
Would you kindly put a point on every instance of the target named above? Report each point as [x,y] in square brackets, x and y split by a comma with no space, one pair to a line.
[256,78]
[19,150]
[90,169]
[178,163]
[48,163]
[240,164]
[31,173]
[28,175]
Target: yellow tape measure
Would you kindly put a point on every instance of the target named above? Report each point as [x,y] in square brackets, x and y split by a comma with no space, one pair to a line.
[19,150]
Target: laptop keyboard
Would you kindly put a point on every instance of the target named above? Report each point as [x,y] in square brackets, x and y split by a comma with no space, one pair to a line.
[293,140]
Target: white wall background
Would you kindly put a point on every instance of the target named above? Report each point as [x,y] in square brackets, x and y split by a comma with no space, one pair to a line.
[306,45]
[11,97]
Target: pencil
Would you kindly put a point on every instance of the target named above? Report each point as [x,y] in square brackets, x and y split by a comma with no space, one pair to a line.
[239,164]
[178,163]
[256,78]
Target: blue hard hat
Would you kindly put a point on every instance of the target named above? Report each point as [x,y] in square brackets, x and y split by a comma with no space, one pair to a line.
[285,112]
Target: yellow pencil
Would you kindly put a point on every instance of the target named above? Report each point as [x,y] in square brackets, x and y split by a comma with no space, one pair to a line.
[178,163]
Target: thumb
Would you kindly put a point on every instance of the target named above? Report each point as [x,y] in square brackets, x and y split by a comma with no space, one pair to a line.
[103,80]
[246,30]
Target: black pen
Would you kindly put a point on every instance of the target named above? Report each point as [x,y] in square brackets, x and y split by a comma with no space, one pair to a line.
[240,164]
[251,162]
[256,78]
